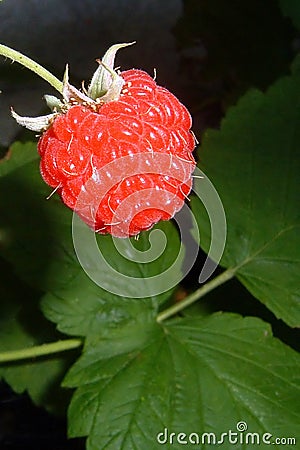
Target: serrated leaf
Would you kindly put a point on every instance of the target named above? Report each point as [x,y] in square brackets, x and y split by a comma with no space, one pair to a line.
[254,163]
[189,376]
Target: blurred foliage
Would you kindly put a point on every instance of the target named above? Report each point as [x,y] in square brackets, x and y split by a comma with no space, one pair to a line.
[291,8]
[227,47]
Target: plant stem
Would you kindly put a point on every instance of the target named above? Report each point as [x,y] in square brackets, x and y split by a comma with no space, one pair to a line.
[203,290]
[31,65]
[40,350]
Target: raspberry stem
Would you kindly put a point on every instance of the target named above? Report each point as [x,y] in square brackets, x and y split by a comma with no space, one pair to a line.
[190,299]
[31,65]
[40,350]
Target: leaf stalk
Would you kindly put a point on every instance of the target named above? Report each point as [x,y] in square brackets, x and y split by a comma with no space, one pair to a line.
[40,350]
[195,296]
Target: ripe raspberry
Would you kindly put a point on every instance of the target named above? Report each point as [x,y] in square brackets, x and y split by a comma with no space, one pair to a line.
[124,160]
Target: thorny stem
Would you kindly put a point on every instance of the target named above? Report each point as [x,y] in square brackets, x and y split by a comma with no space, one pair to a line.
[203,290]
[31,65]
[40,350]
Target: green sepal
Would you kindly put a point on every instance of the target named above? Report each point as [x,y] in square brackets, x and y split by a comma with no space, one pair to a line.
[71,94]
[54,103]
[38,124]
[106,81]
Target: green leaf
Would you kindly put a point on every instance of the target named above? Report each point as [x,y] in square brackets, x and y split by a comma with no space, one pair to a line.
[131,268]
[81,307]
[23,326]
[14,158]
[29,223]
[254,163]
[190,376]
[291,8]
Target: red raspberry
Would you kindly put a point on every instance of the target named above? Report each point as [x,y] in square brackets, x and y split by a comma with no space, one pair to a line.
[125,163]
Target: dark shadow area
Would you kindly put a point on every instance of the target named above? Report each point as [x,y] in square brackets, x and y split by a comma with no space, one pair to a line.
[24,426]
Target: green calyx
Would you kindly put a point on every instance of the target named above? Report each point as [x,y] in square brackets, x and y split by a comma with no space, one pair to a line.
[106,85]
